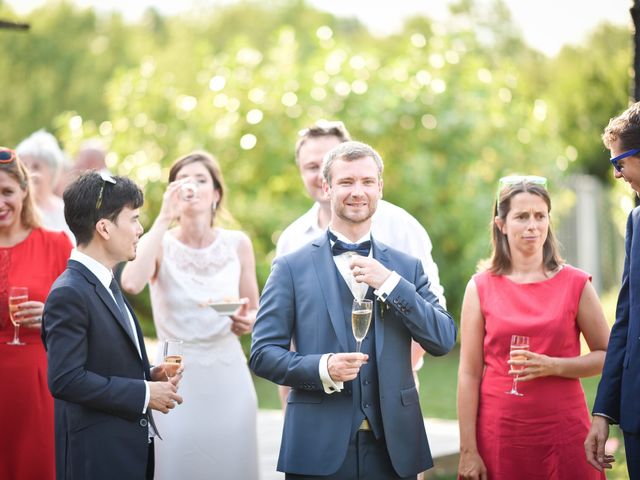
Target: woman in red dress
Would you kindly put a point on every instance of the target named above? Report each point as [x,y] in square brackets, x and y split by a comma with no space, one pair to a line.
[527,290]
[29,257]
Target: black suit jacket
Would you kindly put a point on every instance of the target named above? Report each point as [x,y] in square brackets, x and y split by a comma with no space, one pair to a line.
[96,376]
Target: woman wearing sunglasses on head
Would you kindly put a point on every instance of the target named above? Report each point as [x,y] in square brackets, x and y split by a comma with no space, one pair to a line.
[521,407]
[31,258]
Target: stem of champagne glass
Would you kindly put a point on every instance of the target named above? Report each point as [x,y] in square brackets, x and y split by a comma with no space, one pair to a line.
[16,338]
[358,343]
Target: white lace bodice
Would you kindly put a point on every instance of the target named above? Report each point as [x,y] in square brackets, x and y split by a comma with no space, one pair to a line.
[187,280]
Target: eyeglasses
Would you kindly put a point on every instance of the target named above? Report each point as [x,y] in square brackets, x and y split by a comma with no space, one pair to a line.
[516,179]
[324,127]
[105,178]
[629,153]
[7,155]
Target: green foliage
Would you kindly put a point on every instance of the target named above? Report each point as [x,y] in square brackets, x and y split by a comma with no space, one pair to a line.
[451,106]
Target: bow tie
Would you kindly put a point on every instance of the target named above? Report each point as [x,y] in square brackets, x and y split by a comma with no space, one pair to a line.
[340,247]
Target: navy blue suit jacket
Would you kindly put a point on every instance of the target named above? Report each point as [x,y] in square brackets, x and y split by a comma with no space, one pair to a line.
[97,379]
[301,302]
[619,390]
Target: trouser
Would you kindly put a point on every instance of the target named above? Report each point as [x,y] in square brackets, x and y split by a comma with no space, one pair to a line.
[632,448]
[366,459]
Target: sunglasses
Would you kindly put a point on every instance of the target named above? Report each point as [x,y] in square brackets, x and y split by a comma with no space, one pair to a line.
[516,179]
[7,155]
[629,153]
[106,178]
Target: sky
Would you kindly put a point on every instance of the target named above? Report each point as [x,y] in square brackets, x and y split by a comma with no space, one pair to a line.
[547,25]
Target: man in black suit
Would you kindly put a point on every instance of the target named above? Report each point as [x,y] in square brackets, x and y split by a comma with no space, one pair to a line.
[98,370]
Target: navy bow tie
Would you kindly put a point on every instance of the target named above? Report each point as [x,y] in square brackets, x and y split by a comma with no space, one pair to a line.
[340,247]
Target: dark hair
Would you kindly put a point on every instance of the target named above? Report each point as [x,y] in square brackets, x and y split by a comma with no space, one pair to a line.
[29,218]
[500,261]
[84,206]
[625,128]
[322,128]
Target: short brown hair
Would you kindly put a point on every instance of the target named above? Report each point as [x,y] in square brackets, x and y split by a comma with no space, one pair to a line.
[322,128]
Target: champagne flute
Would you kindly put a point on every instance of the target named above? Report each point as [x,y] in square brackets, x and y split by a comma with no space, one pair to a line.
[189,191]
[17,295]
[360,320]
[172,352]
[518,342]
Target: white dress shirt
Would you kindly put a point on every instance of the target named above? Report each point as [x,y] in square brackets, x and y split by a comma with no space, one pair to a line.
[359,290]
[390,225]
[104,275]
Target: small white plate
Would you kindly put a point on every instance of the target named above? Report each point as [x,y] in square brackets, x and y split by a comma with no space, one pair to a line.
[226,308]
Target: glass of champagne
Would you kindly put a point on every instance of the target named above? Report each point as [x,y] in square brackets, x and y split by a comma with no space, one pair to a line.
[518,342]
[360,320]
[172,351]
[17,295]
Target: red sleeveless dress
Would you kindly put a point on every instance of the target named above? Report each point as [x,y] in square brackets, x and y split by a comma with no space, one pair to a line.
[26,406]
[540,435]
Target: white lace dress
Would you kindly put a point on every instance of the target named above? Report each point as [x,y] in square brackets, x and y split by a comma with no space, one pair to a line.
[212,435]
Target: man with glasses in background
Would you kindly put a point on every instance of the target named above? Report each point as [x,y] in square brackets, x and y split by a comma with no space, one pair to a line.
[391,224]
[617,401]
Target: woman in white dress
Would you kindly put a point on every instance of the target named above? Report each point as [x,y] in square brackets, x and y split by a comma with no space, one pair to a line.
[213,433]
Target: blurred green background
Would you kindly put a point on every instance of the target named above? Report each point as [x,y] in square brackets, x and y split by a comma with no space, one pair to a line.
[452,105]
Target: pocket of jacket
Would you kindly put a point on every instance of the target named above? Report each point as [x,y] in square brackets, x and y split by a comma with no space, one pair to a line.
[409,396]
[300,396]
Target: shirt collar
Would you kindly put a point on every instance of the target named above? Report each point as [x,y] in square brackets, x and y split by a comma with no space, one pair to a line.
[99,270]
[366,237]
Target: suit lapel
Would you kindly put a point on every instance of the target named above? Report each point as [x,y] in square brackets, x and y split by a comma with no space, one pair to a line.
[326,272]
[379,253]
[106,298]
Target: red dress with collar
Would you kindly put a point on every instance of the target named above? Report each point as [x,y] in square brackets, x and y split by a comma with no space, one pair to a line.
[26,406]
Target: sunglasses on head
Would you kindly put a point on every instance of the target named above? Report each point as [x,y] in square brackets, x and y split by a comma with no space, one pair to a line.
[105,178]
[516,179]
[7,155]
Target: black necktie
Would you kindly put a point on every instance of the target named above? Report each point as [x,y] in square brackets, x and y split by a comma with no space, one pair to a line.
[117,294]
[340,247]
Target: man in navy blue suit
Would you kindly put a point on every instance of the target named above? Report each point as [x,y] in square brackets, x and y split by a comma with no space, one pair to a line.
[98,370]
[349,415]
[618,398]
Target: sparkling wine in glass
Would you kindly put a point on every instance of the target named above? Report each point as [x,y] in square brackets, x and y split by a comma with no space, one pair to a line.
[360,320]
[518,342]
[17,295]
[172,351]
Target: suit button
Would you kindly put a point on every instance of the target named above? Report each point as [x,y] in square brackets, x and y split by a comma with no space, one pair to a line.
[143,422]
[366,405]
[367,382]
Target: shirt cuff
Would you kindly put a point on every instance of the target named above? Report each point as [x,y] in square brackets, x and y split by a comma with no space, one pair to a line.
[147,397]
[610,419]
[327,382]
[387,287]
